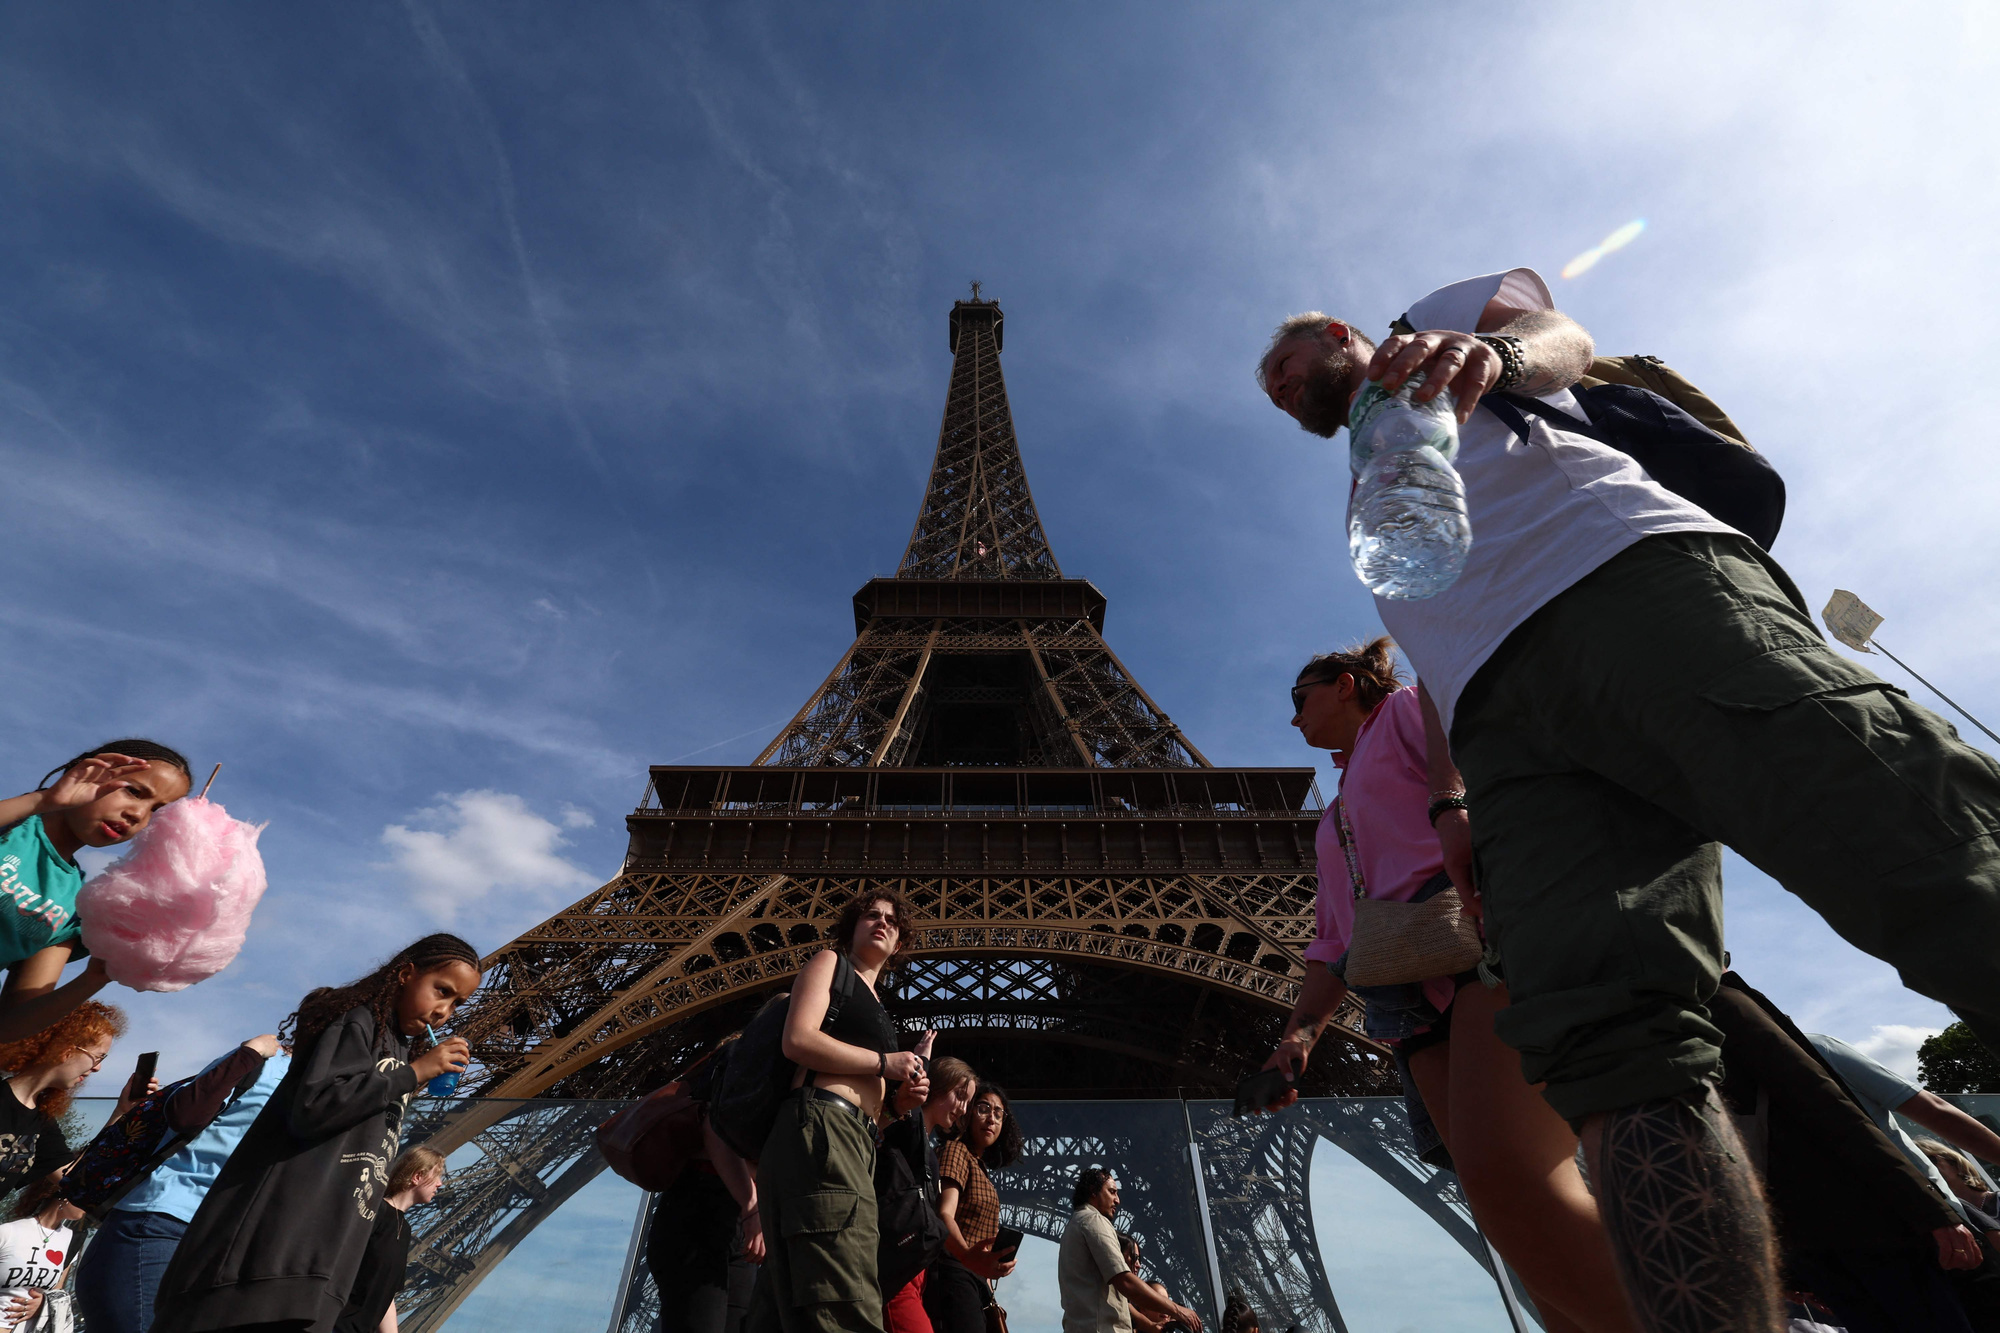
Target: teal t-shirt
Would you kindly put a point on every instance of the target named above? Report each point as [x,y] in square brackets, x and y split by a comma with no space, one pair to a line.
[38,886]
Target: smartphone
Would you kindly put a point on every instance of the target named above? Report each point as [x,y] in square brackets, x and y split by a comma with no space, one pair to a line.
[1008,1241]
[142,1074]
[1260,1092]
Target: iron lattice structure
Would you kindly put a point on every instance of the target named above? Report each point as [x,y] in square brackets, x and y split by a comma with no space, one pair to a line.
[1081,878]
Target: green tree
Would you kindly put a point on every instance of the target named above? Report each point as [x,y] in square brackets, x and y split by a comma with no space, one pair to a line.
[1956,1061]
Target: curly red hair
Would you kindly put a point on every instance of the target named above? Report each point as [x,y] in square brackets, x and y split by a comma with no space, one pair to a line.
[84,1024]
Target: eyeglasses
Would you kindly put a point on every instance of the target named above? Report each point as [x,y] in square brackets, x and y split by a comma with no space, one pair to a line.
[988,1111]
[96,1060]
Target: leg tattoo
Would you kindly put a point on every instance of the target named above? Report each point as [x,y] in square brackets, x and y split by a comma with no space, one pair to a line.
[1687,1219]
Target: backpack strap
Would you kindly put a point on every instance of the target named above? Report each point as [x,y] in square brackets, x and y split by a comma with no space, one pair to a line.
[840,990]
[837,993]
[173,1142]
[1513,409]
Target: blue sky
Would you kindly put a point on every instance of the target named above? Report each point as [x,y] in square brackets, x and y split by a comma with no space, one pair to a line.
[437,413]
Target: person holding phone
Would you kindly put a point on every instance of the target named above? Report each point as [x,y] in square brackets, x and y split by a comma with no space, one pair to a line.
[118,1275]
[1382,838]
[959,1286]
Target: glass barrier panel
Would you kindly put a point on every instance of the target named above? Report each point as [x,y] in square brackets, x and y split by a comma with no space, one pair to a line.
[1321,1215]
[1325,1218]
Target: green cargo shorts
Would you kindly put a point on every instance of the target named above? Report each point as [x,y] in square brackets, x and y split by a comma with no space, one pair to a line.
[1676,698]
[816,1200]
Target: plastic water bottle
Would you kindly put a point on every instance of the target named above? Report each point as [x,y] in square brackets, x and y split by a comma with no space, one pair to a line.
[1407,529]
[445,1084]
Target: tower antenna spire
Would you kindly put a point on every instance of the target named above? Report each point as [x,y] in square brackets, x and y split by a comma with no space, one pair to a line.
[975,289]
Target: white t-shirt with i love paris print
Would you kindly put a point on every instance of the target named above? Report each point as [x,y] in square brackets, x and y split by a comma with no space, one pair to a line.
[31,1259]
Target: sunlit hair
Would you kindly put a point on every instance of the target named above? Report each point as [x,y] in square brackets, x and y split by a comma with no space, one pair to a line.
[82,1025]
[414,1164]
[948,1072]
[1312,324]
[1088,1182]
[1944,1152]
[1006,1147]
[37,1196]
[850,920]
[132,747]
[377,991]
[1372,664]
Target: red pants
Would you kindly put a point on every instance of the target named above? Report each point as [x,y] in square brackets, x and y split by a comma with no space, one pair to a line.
[904,1312]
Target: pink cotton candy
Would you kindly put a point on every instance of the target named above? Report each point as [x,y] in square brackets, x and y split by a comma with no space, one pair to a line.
[174,909]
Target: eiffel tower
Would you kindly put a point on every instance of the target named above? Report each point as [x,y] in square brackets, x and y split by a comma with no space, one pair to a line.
[1098,910]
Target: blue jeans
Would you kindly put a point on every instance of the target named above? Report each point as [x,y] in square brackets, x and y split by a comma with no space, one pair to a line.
[122,1268]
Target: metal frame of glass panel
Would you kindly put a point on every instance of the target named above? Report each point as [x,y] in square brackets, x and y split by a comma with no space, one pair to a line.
[1246,1223]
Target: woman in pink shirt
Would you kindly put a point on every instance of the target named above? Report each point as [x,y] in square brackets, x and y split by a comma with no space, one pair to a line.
[1513,1154]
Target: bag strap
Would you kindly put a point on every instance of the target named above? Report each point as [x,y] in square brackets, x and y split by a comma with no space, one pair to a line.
[837,992]
[1510,407]
[842,987]
[175,1142]
[1345,831]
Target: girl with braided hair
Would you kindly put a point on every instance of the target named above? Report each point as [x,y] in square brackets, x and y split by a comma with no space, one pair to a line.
[101,798]
[279,1238]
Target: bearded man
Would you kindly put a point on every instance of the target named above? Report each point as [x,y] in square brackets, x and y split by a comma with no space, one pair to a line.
[1626,685]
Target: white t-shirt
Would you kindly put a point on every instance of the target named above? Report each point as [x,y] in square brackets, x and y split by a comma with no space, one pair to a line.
[1544,512]
[31,1258]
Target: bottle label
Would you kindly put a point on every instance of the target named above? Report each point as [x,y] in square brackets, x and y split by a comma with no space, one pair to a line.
[1382,422]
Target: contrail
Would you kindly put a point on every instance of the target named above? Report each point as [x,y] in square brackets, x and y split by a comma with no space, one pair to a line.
[757,730]
[442,56]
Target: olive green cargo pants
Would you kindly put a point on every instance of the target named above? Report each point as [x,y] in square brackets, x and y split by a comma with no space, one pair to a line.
[816,1199]
[1677,698]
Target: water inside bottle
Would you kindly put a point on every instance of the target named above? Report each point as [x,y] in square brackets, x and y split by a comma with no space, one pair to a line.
[1407,532]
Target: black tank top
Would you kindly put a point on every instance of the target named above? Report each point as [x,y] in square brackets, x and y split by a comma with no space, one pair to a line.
[862,1021]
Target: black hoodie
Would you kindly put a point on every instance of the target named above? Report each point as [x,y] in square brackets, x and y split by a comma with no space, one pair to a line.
[280,1235]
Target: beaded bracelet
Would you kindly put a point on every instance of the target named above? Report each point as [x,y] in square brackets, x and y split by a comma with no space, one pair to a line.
[1444,803]
[1512,358]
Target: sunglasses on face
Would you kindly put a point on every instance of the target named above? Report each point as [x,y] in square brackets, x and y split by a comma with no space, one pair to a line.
[1299,693]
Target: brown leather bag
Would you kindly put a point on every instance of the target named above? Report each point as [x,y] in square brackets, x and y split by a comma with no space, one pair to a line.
[651,1141]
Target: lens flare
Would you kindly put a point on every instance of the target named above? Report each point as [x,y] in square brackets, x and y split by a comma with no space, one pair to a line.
[1617,240]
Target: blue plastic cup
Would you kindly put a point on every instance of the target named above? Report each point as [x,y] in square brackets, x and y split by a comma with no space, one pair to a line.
[445,1084]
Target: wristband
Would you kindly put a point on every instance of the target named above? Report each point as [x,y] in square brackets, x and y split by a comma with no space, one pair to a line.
[1447,802]
[1513,361]
[882,1064]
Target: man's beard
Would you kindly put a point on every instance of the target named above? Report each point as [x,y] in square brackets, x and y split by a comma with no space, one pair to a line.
[1322,403]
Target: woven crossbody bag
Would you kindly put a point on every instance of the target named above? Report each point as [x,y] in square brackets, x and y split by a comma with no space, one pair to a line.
[1396,942]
